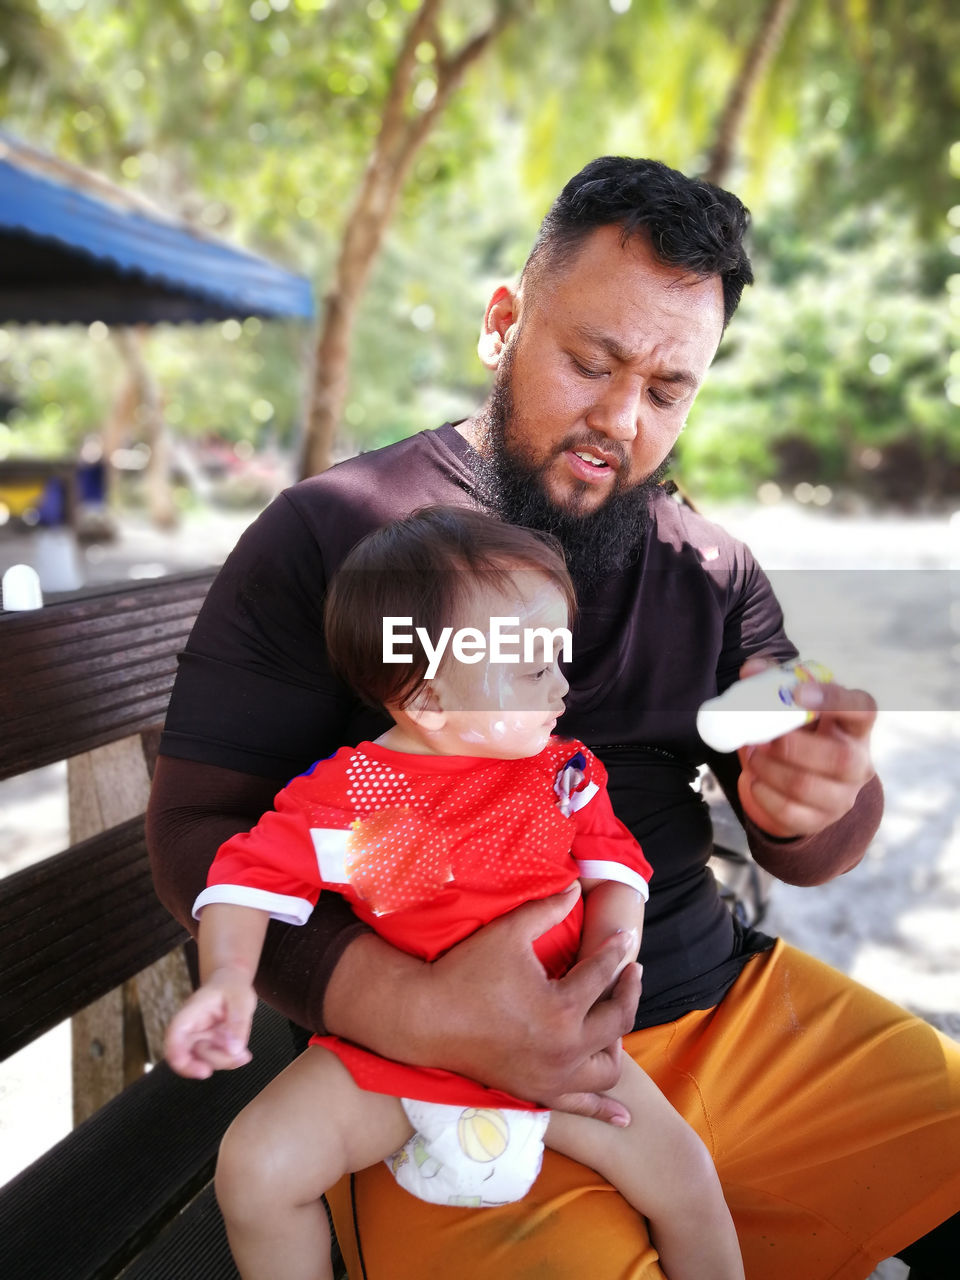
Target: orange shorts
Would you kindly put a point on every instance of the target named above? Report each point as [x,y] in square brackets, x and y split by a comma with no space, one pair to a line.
[833,1117]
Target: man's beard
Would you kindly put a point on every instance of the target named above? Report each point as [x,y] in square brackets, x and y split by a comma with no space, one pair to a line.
[511,482]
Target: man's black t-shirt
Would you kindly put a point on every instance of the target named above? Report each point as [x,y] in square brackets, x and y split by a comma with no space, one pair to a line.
[255,693]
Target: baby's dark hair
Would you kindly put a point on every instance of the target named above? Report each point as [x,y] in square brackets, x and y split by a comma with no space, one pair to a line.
[424,567]
[689,223]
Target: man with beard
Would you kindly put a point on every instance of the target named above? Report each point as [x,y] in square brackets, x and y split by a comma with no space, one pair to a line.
[832,1115]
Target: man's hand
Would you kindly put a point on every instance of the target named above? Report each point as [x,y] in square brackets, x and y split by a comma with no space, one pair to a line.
[802,783]
[556,1042]
[487,1010]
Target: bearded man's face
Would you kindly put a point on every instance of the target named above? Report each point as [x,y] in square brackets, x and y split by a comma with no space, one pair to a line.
[593,387]
[512,482]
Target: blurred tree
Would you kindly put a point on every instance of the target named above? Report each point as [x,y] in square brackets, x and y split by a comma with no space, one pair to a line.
[258,120]
[759,54]
[147,405]
[30,50]
[410,110]
[833,373]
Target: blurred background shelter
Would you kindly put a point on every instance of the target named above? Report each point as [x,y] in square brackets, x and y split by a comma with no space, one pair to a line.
[76,248]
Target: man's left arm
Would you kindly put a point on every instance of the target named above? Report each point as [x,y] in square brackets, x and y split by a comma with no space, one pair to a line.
[811,801]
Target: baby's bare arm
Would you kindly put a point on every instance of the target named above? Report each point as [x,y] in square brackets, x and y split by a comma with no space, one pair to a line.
[610,907]
[211,1031]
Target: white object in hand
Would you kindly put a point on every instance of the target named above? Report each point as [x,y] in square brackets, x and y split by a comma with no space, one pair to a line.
[759,708]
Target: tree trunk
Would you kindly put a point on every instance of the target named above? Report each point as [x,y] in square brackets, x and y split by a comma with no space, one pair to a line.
[401,136]
[118,425]
[160,504]
[758,57]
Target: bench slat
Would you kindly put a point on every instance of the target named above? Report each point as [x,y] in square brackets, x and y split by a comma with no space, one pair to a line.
[83,672]
[84,640]
[192,1247]
[85,607]
[75,926]
[87,723]
[156,1143]
[134,651]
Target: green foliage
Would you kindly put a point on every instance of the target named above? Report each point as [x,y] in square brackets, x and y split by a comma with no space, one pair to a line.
[255,120]
[238,381]
[841,346]
[28,46]
[242,382]
[56,387]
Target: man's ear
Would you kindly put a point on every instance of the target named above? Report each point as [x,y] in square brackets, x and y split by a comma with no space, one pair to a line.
[425,709]
[499,320]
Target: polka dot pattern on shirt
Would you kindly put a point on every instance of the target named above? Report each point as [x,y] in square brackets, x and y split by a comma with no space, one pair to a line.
[396,859]
[492,825]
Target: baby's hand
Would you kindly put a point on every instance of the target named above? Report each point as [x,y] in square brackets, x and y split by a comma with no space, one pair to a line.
[211,1031]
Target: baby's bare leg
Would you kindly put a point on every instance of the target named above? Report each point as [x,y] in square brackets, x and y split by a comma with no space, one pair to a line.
[659,1165]
[309,1127]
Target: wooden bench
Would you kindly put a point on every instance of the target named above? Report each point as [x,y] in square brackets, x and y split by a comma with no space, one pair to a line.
[82,936]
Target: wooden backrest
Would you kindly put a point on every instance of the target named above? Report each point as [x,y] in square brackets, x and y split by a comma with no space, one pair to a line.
[92,669]
[80,677]
[127,1191]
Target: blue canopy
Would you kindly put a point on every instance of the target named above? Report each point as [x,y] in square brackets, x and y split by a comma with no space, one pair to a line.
[74,247]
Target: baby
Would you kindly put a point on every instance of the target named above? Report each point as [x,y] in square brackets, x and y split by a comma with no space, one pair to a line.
[467,807]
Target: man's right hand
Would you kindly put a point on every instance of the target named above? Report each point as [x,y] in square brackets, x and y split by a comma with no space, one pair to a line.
[487,1010]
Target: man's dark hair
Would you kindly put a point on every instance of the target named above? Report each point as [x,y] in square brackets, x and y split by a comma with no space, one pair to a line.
[424,567]
[689,223]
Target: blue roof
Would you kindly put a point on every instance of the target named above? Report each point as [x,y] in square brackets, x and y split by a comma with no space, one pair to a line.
[69,255]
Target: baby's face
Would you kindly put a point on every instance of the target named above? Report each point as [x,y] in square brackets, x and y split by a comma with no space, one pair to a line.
[507,709]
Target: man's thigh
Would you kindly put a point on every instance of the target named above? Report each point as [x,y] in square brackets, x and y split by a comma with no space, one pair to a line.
[571,1226]
[833,1116]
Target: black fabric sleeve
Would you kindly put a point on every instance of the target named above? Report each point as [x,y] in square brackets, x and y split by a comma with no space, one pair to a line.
[254,691]
[753,622]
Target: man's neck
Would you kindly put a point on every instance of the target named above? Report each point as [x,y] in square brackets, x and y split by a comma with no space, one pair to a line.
[473,430]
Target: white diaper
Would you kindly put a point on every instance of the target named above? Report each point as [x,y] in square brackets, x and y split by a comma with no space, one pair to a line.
[472,1156]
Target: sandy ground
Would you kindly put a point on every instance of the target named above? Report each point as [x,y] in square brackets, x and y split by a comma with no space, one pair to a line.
[878,598]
